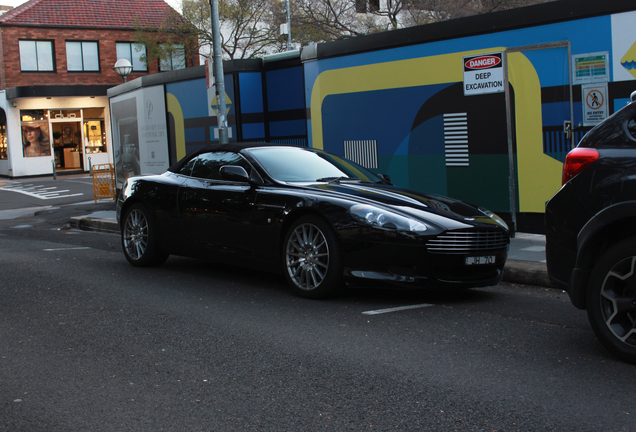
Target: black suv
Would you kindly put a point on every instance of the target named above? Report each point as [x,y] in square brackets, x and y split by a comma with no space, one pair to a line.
[591,230]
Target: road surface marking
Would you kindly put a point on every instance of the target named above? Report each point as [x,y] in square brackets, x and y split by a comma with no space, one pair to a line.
[396,309]
[62,249]
[38,191]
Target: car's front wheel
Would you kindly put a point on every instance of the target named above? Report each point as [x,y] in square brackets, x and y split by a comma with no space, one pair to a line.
[139,239]
[611,300]
[313,263]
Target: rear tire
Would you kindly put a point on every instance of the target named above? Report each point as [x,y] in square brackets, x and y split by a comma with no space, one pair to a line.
[139,238]
[312,258]
[611,300]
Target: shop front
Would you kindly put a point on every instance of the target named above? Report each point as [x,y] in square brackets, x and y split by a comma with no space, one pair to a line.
[46,135]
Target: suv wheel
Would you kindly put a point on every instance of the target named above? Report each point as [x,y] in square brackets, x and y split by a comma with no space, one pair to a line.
[611,300]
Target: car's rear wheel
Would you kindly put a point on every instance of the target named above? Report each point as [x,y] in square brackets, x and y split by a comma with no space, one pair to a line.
[313,262]
[139,238]
[611,300]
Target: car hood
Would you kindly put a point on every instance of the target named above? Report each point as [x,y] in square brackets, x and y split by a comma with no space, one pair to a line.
[444,211]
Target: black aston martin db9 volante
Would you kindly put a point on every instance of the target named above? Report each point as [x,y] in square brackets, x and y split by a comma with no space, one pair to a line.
[319,218]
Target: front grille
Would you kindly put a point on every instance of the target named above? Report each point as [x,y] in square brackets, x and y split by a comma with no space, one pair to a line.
[468,241]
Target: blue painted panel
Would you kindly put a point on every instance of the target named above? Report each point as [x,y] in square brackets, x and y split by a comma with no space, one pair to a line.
[192,96]
[251,87]
[285,89]
[555,113]
[287,128]
[253,131]
[194,134]
[552,66]
[371,120]
[620,103]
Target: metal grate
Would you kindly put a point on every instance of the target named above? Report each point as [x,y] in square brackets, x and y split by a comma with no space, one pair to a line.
[468,241]
[456,139]
[363,153]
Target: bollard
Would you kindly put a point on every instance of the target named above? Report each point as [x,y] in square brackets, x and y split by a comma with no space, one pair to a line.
[90,168]
[54,173]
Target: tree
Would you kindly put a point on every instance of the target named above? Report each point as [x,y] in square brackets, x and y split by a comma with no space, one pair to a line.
[247,30]
[250,28]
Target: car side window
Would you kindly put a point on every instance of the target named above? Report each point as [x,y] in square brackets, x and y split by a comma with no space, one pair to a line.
[207,165]
[186,169]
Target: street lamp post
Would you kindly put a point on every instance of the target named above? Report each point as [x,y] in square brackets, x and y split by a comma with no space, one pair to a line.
[123,67]
[219,79]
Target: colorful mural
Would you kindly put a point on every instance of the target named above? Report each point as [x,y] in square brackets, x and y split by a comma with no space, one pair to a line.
[404,103]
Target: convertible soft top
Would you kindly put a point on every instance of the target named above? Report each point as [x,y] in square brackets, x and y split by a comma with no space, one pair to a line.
[232,147]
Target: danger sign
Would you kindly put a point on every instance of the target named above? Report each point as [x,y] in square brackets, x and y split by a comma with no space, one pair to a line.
[483,74]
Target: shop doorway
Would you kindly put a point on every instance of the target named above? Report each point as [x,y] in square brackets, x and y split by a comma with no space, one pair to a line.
[67,145]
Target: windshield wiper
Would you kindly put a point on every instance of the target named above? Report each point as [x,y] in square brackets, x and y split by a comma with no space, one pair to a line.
[338,179]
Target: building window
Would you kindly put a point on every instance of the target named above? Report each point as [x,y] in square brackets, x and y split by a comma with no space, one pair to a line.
[36,56]
[82,57]
[174,61]
[134,53]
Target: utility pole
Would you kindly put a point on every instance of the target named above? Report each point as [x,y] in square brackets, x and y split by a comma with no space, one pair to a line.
[219,80]
[288,25]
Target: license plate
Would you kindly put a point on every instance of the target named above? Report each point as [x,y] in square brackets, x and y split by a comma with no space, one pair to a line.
[480,260]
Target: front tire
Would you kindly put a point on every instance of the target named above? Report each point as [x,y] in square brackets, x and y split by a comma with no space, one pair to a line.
[611,300]
[312,260]
[139,238]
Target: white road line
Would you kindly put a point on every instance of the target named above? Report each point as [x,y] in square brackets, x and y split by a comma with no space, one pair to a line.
[396,309]
[62,249]
[41,195]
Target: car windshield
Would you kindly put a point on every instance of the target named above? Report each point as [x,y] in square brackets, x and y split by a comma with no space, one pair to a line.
[291,164]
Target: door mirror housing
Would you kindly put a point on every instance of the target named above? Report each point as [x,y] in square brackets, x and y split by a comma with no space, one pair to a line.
[234,173]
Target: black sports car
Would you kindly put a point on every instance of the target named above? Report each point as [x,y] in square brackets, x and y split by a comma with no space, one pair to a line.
[317,217]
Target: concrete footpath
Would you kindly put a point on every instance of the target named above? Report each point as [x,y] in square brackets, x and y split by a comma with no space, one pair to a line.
[526,260]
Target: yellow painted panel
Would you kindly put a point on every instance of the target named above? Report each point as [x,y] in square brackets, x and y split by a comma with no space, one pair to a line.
[174,108]
[539,175]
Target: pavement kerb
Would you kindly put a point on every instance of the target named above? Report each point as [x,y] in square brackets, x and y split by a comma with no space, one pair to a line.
[527,273]
[516,271]
[94,224]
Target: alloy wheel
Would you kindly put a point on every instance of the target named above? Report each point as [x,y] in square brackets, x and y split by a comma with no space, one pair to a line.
[618,300]
[136,234]
[307,256]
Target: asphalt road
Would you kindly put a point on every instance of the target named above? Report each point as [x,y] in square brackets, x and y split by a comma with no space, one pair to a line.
[89,343]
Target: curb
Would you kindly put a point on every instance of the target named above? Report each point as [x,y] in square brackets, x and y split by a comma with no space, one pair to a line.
[94,224]
[527,273]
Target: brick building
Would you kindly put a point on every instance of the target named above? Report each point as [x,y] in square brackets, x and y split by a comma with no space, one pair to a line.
[56,64]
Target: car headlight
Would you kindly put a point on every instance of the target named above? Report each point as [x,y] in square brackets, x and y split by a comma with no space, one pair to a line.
[380,218]
[494,217]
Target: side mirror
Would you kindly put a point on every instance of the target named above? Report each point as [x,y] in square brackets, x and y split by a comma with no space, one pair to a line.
[633,96]
[385,178]
[234,173]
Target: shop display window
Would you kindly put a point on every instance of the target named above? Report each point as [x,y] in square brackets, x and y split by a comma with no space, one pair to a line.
[3,141]
[94,136]
[35,133]
[3,134]
[94,130]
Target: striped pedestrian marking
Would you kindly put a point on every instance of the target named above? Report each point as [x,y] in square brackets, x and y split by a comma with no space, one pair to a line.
[38,191]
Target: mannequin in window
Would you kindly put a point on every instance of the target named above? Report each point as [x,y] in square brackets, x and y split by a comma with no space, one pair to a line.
[36,141]
[67,137]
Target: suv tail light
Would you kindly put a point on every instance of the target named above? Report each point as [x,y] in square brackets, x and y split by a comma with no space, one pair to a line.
[576,161]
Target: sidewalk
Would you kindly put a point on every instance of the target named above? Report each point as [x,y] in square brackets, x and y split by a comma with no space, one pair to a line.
[525,265]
